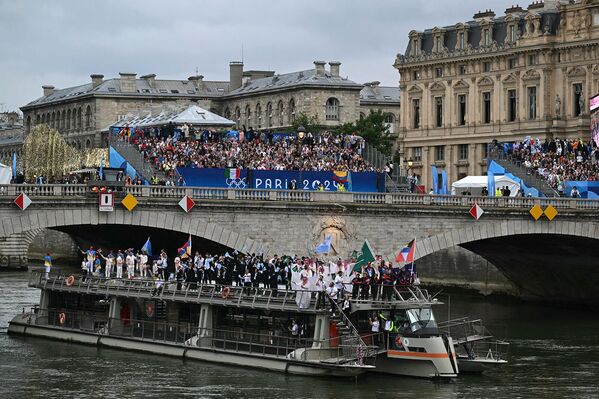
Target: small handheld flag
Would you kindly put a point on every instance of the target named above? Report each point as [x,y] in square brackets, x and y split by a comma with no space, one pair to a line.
[325,246]
[185,250]
[407,253]
[147,248]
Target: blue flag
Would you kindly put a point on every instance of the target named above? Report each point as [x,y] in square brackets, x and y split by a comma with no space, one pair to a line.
[101,169]
[147,247]
[435,179]
[325,246]
[14,165]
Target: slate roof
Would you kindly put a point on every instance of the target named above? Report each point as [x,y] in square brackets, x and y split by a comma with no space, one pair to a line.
[380,94]
[549,19]
[160,88]
[192,115]
[294,79]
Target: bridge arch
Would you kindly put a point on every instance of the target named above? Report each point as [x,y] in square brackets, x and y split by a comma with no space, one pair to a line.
[33,221]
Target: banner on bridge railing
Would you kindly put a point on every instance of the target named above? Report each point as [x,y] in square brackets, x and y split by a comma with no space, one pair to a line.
[279,180]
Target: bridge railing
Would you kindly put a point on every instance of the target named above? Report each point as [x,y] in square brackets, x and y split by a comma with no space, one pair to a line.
[62,191]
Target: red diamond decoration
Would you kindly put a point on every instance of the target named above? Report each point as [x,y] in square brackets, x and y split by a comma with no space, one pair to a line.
[476,211]
[186,203]
[23,201]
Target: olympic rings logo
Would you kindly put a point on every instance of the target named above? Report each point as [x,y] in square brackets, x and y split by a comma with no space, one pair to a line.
[236,183]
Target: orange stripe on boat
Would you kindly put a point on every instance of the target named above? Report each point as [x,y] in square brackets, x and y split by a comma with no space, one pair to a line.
[418,354]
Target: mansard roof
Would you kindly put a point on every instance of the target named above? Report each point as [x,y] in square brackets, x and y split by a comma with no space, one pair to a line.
[291,80]
[379,94]
[158,88]
[549,19]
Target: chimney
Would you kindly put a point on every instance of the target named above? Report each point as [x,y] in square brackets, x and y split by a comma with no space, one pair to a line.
[235,75]
[375,86]
[484,14]
[97,79]
[150,78]
[48,89]
[198,81]
[319,65]
[334,68]
[128,82]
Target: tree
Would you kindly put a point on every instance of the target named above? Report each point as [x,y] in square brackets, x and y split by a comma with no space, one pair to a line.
[373,129]
[310,123]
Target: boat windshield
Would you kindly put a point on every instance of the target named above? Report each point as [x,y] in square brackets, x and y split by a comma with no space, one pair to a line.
[422,321]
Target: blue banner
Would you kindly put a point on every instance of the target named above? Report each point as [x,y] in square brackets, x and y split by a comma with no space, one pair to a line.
[280,180]
[435,176]
[444,188]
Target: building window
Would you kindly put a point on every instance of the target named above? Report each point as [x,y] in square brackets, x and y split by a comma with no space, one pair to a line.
[269,114]
[486,107]
[485,153]
[238,117]
[416,75]
[439,44]
[439,153]
[280,112]
[512,34]
[577,87]
[291,111]
[512,63]
[332,109]
[532,59]
[417,154]
[439,72]
[438,111]
[79,119]
[462,40]
[463,151]
[462,109]
[248,117]
[88,117]
[462,69]
[258,116]
[486,66]
[532,103]
[511,105]
[486,37]
[416,46]
[227,113]
[390,122]
[416,111]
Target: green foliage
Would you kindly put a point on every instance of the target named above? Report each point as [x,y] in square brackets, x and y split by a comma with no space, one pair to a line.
[373,129]
[310,123]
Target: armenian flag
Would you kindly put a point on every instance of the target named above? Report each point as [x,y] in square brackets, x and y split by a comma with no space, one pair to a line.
[185,250]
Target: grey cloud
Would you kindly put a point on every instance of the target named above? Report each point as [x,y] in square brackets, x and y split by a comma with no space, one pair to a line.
[63,42]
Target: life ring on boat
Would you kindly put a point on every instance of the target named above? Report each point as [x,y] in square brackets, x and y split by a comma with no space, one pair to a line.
[150,309]
[398,342]
[70,280]
[406,342]
[225,292]
[62,318]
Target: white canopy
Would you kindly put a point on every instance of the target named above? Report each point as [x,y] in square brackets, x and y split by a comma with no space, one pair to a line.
[193,115]
[5,174]
[475,185]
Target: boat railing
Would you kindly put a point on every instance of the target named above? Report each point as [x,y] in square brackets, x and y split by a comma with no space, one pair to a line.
[229,295]
[464,330]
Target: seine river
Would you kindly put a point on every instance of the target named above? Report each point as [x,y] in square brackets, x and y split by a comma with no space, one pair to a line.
[554,354]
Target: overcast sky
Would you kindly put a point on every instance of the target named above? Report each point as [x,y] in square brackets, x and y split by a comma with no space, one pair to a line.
[62,42]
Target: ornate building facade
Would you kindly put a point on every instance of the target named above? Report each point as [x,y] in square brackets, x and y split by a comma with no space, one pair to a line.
[529,72]
[258,99]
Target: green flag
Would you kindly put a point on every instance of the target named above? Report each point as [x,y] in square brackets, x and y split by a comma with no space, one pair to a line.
[365,255]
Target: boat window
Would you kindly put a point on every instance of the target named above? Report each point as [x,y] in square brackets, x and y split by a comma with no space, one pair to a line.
[422,321]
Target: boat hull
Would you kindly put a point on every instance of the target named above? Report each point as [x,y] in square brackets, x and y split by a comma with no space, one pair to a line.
[22,325]
[479,365]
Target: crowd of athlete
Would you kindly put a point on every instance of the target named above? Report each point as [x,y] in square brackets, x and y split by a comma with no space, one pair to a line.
[338,279]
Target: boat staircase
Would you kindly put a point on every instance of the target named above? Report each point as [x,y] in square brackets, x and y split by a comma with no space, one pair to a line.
[136,159]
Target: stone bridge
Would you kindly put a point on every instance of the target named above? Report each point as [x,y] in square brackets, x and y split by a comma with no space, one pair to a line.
[554,259]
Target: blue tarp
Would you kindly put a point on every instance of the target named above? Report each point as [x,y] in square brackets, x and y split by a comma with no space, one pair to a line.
[587,189]
[117,161]
[494,169]
[279,180]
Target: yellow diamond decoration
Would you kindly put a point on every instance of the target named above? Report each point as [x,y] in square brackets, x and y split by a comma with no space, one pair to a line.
[129,202]
[536,212]
[550,212]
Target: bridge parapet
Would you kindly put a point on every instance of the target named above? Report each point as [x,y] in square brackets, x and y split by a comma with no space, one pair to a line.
[81,191]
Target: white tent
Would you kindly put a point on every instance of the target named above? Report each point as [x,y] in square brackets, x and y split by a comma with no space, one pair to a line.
[192,115]
[5,174]
[475,185]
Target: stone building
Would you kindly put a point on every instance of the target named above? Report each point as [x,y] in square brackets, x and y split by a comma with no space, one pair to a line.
[258,99]
[528,72]
[11,136]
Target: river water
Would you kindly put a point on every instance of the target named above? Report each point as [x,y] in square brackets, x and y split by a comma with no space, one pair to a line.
[554,353]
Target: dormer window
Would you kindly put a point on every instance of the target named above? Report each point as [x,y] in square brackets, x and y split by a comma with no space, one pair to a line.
[439,44]
[486,37]
[415,46]
[462,40]
[512,34]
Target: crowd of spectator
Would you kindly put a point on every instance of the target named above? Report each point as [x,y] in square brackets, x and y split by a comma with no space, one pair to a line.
[556,160]
[254,150]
